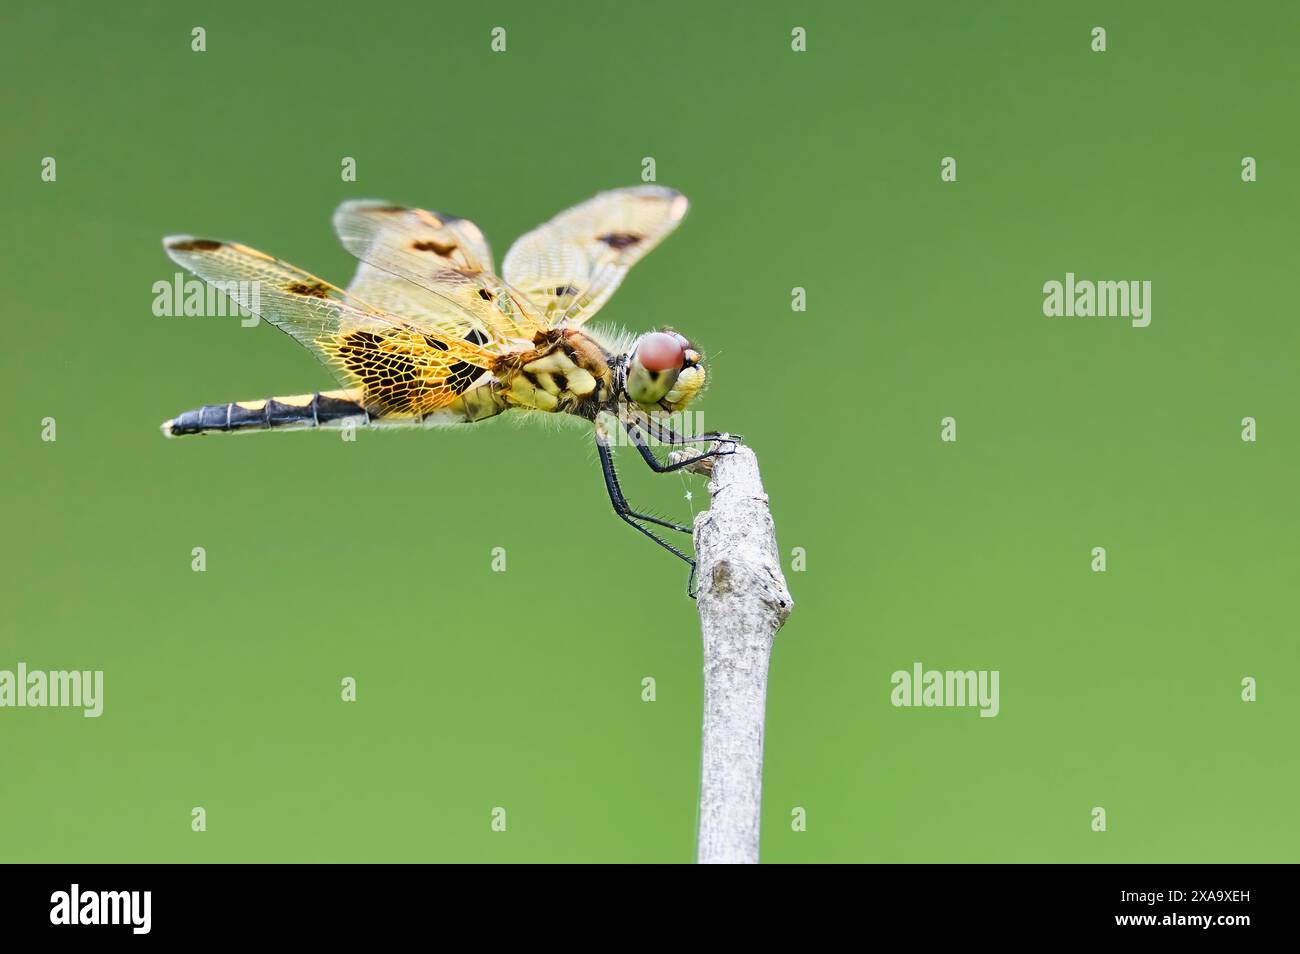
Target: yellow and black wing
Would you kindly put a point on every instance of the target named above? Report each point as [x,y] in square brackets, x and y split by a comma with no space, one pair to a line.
[435,269]
[570,266]
[404,368]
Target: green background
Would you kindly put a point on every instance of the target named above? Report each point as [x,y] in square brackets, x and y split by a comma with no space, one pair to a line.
[523,689]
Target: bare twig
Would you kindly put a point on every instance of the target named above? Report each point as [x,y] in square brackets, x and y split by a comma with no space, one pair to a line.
[743,601]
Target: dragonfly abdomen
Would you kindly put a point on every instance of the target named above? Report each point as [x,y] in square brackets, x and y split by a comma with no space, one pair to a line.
[323,409]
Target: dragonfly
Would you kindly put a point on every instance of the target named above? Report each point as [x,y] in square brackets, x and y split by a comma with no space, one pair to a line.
[429,335]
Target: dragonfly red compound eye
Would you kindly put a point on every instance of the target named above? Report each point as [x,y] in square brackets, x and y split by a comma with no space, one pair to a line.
[660,351]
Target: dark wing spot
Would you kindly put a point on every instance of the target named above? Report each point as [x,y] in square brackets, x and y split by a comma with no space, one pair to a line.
[397,380]
[476,337]
[390,376]
[485,294]
[461,375]
[430,245]
[619,240]
[310,289]
[195,245]
[562,290]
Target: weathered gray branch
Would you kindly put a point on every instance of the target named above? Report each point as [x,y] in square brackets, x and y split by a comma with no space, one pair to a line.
[743,601]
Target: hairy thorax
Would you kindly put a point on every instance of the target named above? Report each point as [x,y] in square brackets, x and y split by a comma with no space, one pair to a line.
[564,372]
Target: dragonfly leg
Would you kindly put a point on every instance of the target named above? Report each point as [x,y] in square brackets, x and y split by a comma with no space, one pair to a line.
[631,516]
[638,439]
[666,435]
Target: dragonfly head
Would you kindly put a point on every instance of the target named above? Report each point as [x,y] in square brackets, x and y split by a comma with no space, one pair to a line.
[664,371]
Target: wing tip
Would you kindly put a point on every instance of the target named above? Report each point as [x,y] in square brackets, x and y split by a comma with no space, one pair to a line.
[678,204]
[652,188]
[167,428]
[368,205]
[189,243]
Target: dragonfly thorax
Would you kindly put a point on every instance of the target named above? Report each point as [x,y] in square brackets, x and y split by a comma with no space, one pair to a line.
[566,371]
